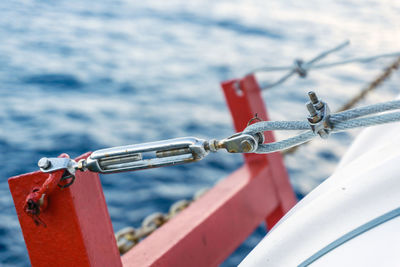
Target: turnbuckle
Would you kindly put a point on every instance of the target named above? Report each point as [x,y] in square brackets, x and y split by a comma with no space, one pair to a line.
[133,157]
[146,156]
[152,155]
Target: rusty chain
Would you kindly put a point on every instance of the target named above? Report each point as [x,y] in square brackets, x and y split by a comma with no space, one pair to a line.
[387,72]
[128,237]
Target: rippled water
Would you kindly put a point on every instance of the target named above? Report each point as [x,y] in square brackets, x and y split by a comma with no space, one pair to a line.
[76,76]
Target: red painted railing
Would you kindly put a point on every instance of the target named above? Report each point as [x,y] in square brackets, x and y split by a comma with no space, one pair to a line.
[78,228]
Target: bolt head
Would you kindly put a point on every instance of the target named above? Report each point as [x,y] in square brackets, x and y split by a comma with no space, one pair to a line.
[246,146]
[44,163]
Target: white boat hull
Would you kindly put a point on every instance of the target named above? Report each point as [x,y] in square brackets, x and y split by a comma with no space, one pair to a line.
[352,219]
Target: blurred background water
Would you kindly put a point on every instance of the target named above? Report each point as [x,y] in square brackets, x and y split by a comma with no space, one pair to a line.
[76,76]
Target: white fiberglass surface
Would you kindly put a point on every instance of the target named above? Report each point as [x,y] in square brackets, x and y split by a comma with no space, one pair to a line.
[378,246]
[360,191]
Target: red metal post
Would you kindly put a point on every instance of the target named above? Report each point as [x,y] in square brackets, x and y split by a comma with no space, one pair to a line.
[77,231]
[210,229]
[244,100]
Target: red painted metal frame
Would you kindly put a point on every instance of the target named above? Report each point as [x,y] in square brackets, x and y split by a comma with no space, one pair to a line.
[79,230]
[244,100]
[210,229]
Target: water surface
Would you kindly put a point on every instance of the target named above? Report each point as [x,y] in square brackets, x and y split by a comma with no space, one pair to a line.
[76,76]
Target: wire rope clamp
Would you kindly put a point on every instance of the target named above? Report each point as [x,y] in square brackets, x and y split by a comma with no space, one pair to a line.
[319,116]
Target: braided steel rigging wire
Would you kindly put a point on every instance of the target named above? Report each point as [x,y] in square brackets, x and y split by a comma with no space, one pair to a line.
[302,68]
[346,120]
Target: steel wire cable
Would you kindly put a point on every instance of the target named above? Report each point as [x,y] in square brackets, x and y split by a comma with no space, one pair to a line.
[346,120]
[302,68]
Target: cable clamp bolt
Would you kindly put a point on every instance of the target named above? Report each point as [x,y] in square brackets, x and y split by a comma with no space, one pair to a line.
[319,116]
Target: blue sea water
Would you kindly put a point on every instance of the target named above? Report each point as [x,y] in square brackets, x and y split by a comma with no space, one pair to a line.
[76,76]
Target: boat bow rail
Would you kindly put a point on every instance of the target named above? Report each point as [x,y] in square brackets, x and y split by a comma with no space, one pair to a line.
[262,174]
[71,224]
[76,228]
[265,172]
